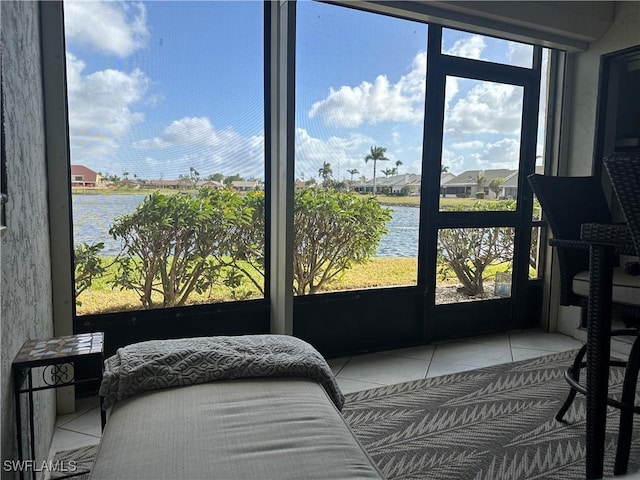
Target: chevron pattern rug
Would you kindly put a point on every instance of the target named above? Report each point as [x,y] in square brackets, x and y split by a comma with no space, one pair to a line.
[76,462]
[494,423]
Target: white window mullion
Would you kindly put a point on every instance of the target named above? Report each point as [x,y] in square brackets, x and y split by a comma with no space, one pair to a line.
[282,132]
[59,176]
[58,181]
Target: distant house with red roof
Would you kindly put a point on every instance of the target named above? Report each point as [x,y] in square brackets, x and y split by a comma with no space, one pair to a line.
[82,176]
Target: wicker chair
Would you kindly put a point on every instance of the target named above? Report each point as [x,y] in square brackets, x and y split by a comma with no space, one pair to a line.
[567,203]
[624,172]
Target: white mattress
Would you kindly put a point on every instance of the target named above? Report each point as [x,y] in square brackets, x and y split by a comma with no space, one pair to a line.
[257,428]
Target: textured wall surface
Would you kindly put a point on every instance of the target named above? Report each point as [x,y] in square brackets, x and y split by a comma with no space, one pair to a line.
[624,33]
[25,284]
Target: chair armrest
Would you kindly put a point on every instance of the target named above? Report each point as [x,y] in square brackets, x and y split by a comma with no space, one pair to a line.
[615,235]
[564,243]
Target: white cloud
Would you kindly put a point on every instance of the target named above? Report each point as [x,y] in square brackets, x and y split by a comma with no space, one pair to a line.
[347,153]
[186,131]
[453,161]
[235,154]
[150,162]
[450,91]
[116,28]
[101,108]
[471,145]
[504,153]
[470,47]
[194,142]
[476,155]
[487,108]
[376,102]
[520,54]
[314,151]
[343,153]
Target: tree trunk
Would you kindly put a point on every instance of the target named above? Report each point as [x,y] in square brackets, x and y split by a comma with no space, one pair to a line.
[374,176]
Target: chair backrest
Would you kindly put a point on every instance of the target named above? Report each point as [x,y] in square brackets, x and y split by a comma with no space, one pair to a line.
[624,172]
[568,202]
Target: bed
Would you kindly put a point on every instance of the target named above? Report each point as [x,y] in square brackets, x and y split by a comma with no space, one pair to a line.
[246,407]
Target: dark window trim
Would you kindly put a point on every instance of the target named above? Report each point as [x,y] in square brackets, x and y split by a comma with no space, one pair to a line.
[93,322]
[481,70]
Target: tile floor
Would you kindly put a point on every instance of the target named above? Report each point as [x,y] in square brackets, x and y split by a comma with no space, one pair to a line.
[82,428]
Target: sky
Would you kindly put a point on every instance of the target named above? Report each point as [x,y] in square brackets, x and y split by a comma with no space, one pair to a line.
[155,88]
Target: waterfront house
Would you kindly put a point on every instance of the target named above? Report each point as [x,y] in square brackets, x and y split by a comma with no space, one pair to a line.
[244,185]
[82,176]
[470,182]
[165,183]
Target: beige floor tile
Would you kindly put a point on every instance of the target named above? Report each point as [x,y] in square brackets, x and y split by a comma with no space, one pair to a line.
[348,386]
[476,354]
[437,369]
[87,423]
[538,340]
[527,353]
[423,352]
[384,369]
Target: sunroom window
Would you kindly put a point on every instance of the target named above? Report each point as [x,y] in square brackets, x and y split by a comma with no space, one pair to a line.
[166,112]
[358,158]
[369,117]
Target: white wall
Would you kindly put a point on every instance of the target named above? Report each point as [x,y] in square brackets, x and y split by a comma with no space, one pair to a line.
[25,284]
[578,159]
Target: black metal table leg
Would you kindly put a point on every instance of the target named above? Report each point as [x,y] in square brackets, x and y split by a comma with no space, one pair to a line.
[598,350]
[17,378]
[32,424]
[53,353]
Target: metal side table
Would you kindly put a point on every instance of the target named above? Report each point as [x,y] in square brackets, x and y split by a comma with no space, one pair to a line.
[58,356]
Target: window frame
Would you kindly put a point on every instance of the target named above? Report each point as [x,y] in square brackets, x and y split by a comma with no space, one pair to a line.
[275,312]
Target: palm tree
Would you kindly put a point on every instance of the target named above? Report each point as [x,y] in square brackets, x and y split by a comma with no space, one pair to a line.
[481,179]
[398,163]
[325,172]
[376,154]
[444,169]
[388,171]
[496,185]
[352,172]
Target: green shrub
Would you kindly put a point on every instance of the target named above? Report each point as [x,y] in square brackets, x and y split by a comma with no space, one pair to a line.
[469,251]
[333,231]
[88,266]
[174,245]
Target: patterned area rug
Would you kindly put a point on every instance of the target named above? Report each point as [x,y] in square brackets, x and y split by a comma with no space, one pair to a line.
[494,423]
[487,424]
[77,462]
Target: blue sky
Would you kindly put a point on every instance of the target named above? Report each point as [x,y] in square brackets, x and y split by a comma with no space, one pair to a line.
[158,87]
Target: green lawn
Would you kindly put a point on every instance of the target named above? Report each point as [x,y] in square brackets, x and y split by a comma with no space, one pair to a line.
[103,297]
[445,203]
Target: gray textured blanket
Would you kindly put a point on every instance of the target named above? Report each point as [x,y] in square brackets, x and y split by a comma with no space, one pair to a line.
[159,364]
